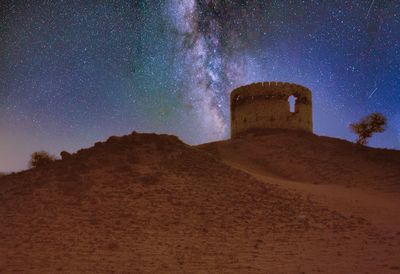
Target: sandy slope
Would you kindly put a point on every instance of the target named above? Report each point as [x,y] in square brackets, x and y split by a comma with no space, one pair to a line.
[338,175]
[146,203]
[304,157]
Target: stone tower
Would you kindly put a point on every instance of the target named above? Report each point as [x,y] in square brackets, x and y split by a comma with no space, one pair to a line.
[267,105]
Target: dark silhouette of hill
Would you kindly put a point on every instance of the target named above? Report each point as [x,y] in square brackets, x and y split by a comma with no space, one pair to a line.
[147,203]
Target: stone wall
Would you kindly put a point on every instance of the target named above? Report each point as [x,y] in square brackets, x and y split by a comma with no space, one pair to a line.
[266,105]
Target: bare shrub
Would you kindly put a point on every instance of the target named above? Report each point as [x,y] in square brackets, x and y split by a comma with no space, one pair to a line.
[370,124]
[41,158]
[65,155]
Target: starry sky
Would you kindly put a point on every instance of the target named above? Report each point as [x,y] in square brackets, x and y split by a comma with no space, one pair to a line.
[76,72]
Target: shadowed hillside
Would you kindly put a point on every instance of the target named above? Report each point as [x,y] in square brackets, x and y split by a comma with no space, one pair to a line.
[147,203]
[305,157]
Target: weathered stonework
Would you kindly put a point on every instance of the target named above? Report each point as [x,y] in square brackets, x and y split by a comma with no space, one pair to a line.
[266,105]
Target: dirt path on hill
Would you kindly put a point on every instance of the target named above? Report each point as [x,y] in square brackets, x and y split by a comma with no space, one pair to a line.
[378,208]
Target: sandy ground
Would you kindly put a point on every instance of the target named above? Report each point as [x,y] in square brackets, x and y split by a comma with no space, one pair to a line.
[380,209]
[146,203]
[345,178]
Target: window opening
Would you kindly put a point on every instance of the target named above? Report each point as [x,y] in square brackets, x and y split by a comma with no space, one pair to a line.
[292,103]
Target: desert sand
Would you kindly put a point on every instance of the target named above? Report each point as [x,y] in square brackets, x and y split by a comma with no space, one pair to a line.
[266,202]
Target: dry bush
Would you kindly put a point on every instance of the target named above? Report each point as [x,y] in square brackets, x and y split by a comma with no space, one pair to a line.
[41,158]
[65,155]
[370,124]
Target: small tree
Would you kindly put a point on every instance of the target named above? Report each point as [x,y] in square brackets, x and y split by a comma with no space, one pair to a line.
[41,158]
[370,124]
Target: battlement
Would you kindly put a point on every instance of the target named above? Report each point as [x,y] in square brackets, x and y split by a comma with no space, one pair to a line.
[267,105]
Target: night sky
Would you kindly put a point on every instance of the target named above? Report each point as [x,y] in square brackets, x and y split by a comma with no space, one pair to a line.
[76,72]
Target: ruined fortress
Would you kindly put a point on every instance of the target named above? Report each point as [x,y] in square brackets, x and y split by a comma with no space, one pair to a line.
[270,105]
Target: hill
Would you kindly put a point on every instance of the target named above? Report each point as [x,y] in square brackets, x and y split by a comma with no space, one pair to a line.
[305,157]
[147,203]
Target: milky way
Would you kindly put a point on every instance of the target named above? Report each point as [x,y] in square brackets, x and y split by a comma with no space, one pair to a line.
[75,72]
[201,68]
[215,36]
